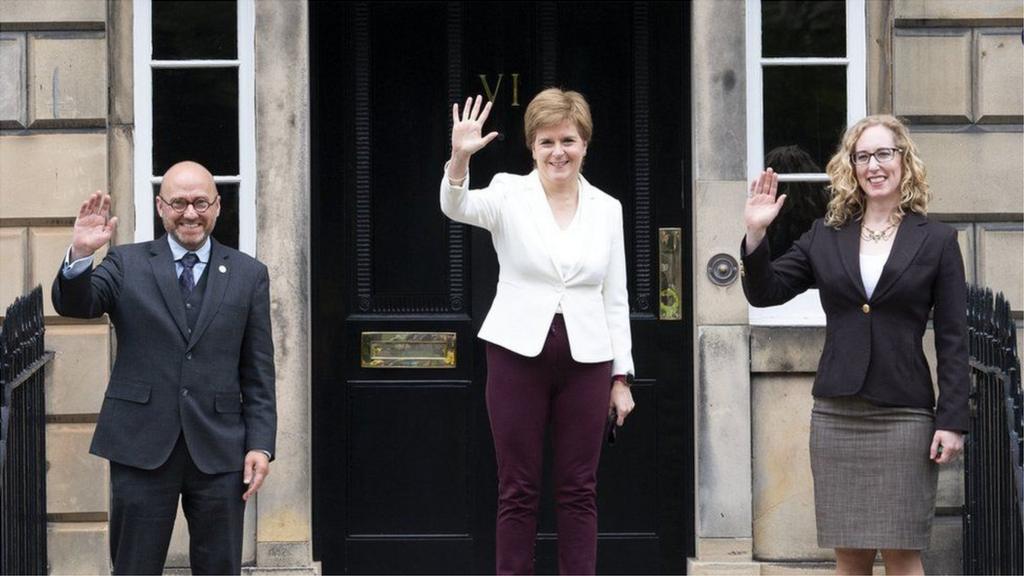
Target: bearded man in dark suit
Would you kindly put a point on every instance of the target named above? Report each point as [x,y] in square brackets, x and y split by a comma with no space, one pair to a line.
[190,409]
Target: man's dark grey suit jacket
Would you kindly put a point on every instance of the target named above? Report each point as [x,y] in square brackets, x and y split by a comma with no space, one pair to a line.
[215,385]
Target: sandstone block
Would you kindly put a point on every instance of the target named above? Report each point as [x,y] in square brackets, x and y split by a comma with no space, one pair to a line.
[719,92]
[13,265]
[76,481]
[78,548]
[723,432]
[122,82]
[951,485]
[80,369]
[53,11]
[56,173]
[811,568]
[974,172]
[121,158]
[783,490]
[713,568]
[958,10]
[48,247]
[786,349]
[725,549]
[965,236]
[1000,77]
[719,229]
[932,75]
[944,556]
[797,568]
[12,80]
[287,555]
[68,76]
[999,260]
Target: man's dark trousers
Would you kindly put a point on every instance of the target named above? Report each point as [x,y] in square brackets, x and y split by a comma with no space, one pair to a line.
[145,503]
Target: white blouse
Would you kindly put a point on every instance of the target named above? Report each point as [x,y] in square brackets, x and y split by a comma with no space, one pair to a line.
[567,245]
[871,270]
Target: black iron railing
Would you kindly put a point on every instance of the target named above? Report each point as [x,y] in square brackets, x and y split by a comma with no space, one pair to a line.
[993,477]
[23,438]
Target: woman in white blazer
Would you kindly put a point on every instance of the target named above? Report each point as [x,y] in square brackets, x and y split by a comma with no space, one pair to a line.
[559,351]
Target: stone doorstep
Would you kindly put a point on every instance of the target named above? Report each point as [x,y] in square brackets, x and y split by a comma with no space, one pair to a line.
[809,568]
[257,571]
[721,568]
[725,568]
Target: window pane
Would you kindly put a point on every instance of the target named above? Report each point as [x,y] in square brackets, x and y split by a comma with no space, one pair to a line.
[195,117]
[804,107]
[805,202]
[792,28]
[195,30]
[226,230]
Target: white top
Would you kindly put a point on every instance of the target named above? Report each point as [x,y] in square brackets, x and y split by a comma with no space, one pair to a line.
[871,270]
[567,244]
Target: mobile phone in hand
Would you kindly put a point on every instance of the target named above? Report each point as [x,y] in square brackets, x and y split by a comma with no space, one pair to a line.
[612,424]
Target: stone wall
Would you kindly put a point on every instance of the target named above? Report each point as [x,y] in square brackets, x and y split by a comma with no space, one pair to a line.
[53,153]
[958,79]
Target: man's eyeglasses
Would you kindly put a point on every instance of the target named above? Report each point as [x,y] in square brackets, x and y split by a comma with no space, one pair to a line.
[882,155]
[180,204]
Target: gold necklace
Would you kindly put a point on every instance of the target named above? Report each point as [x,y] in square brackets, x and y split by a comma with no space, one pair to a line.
[880,236]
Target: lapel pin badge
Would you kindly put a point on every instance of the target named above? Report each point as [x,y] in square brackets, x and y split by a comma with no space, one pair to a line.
[223,269]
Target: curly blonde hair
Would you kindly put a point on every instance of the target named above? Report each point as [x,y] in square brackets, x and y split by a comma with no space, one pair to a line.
[847,201]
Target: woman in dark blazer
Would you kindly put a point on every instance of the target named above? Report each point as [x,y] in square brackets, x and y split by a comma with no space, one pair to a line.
[881,267]
[558,340]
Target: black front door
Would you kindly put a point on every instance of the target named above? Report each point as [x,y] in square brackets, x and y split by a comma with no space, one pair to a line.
[404,472]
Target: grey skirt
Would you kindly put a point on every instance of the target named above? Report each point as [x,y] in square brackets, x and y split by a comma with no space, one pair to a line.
[874,485]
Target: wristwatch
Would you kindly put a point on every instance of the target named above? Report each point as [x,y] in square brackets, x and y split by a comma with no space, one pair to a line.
[626,379]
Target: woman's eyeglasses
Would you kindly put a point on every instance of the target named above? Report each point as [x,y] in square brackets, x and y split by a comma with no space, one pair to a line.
[882,155]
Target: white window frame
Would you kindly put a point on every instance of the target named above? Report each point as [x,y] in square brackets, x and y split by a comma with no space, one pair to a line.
[143,66]
[805,309]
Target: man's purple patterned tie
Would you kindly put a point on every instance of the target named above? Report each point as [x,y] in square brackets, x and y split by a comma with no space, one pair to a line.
[185,281]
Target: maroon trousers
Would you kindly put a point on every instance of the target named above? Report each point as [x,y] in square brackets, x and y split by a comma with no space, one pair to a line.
[524,395]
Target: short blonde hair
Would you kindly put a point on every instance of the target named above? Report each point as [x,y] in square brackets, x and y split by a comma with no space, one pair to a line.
[847,201]
[554,106]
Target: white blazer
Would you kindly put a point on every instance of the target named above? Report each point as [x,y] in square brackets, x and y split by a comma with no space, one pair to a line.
[593,295]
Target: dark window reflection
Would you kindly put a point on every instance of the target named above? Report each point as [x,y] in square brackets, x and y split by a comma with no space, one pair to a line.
[805,106]
[195,117]
[226,230]
[802,28]
[192,30]
[805,201]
